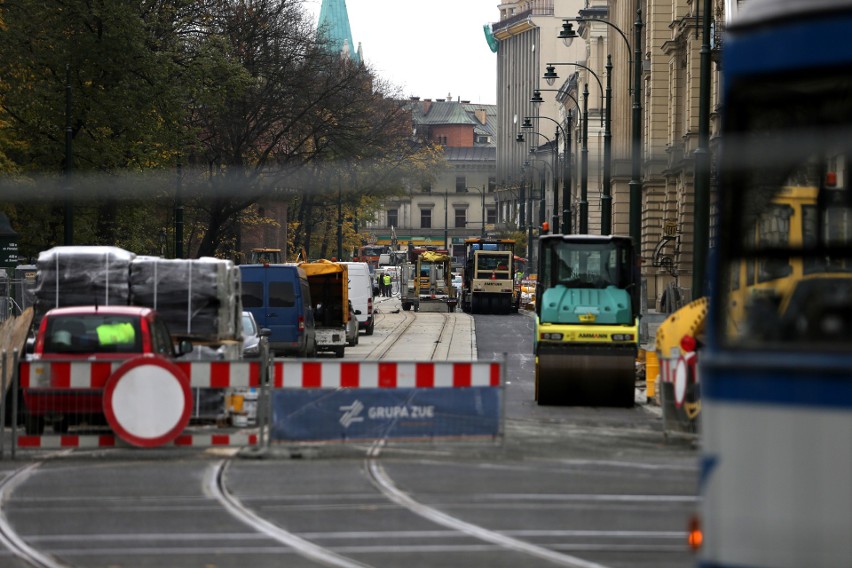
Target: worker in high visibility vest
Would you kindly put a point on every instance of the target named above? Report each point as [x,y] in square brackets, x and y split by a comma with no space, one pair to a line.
[386,281]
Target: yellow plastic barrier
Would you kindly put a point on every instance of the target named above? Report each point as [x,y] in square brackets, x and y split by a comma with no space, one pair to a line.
[652,373]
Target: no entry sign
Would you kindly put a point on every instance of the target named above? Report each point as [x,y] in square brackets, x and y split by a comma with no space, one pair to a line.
[147,401]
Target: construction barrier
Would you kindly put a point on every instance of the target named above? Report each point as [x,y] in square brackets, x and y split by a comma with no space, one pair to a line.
[680,392]
[149,401]
[380,400]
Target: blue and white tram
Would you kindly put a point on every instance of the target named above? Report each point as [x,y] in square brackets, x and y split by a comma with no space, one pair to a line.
[777,368]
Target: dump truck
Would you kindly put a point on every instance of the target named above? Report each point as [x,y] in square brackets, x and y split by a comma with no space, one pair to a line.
[587,320]
[433,289]
[329,284]
[488,283]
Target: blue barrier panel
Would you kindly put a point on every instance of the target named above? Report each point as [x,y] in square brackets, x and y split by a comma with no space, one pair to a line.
[326,414]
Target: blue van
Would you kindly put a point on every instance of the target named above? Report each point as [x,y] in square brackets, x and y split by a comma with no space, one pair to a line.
[279,298]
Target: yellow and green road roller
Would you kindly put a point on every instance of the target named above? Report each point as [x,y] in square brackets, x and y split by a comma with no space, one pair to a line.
[587,320]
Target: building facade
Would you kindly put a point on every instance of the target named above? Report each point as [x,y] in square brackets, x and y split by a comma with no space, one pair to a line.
[460,201]
[666,75]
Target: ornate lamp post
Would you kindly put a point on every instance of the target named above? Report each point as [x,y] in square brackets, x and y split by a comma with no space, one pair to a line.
[567,186]
[555,161]
[565,172]
[567,35]
[606,199]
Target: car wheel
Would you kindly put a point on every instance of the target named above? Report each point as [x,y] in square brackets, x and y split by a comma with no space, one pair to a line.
[338,352]
[371,327]
[33,424]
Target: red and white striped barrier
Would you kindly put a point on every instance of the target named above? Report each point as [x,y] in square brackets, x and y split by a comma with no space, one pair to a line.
[677,371]
[147,402]
[376,374]
[111,441]
[284,374]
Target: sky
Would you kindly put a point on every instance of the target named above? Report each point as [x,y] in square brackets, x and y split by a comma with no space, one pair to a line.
[428,48]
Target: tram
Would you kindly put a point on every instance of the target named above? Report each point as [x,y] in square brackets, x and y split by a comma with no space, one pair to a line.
[776,371]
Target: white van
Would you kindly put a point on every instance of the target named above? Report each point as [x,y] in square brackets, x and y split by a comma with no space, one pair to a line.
[361,294]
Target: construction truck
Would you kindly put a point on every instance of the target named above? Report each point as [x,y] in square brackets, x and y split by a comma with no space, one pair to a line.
[431,288]
[587,320]
[488,283]
[329,284]
[265,256]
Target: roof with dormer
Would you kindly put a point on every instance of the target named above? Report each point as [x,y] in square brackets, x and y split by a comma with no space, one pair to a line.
[456,113]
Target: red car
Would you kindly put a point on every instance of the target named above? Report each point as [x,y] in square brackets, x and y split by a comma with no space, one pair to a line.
[101,333]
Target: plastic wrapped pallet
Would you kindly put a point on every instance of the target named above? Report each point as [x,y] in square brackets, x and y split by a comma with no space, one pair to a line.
[82,276]
[196,298]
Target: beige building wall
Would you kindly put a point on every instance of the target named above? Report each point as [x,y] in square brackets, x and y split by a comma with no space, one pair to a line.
[656,140]
[528,39]
[670,98]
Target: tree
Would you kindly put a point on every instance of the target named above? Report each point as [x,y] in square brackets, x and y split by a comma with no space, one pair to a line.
[123,69]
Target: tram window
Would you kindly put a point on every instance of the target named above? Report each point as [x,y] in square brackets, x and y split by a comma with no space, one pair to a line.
[773,231]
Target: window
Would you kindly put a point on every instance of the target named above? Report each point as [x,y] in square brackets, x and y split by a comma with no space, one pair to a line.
[491,215]
[93,333]
[461,184]
[393,217]
[281,295]
[161,339]
[425,218]
[252,294]
[461,218]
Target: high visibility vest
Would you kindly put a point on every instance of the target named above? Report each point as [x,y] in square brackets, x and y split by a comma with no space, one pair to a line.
[116,333]
[387,279]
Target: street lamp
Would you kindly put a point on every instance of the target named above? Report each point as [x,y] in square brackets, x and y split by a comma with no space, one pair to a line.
[567,35]
[446,226]
[541,205]
[702,163]
[555,159]
[565,172]
[567,186]
[482,196]
[551,76]
[606,199]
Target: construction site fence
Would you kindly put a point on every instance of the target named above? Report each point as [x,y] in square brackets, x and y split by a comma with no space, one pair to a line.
[255,403]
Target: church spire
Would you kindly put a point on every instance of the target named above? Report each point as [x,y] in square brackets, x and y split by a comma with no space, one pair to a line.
[334,22]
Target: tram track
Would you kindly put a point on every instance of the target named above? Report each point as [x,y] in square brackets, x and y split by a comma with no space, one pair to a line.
[9,538]
[400,333]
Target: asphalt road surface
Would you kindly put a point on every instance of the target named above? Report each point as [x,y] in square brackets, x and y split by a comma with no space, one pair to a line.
[563,486]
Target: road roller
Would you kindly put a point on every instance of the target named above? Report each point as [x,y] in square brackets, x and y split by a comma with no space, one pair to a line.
[587,320]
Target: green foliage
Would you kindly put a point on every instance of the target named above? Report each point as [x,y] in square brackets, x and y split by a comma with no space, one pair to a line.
[243,97]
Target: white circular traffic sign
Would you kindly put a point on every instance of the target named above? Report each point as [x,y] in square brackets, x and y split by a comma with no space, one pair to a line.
[147,401]
[681,377]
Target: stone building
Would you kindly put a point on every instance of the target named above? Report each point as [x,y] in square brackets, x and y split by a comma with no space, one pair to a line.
[669,35]
[460,201]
